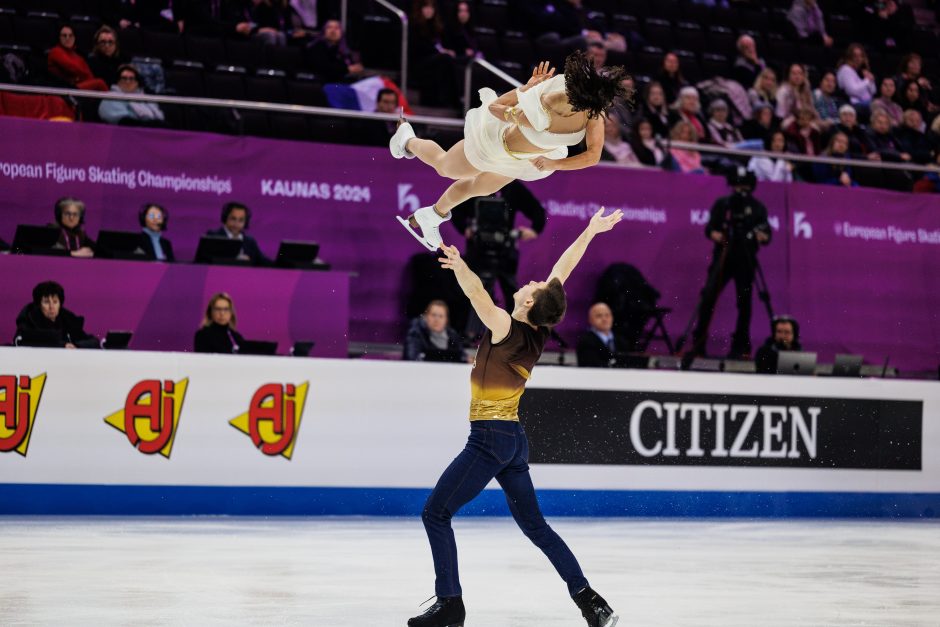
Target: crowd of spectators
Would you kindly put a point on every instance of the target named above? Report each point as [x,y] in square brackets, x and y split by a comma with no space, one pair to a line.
[759,96]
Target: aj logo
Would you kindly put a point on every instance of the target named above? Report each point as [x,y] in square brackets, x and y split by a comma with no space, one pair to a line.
[801,226]
[151,415]
[273,417]
[407,202]
[19,400]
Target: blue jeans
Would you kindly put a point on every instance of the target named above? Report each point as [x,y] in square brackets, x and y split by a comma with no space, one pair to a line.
[495,448]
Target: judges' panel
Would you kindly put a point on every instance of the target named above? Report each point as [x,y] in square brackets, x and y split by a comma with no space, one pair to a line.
[139,432]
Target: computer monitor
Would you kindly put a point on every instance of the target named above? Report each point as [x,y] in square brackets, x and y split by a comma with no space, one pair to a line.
[117,340]
[847,366]
[437,354]
[221,250]
[257,347]
[302,349]
[796,362]
[631,360]
[39,338]
[120,245]
[31,239]
[299,255]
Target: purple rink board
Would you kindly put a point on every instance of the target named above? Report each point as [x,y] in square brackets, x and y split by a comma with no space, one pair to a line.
[859,268]
[163,304]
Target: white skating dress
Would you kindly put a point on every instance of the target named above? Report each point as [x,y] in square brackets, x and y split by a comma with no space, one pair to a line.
[484,133]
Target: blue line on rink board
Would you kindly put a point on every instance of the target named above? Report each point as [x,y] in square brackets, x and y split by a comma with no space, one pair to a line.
[277,501]
[129,500]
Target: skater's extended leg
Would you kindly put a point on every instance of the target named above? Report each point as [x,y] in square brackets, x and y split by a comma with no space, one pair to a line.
[463,480]
[450,164]
[523,504]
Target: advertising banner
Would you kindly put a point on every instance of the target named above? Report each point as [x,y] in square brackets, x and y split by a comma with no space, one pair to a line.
[859,268]
[99,432]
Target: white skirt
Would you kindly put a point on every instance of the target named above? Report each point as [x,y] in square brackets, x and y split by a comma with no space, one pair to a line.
[483,144]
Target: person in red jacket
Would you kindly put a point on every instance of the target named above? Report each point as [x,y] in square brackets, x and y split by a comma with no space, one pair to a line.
[66,63]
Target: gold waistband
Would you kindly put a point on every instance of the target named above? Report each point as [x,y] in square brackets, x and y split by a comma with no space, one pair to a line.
[526,155]
[507,409]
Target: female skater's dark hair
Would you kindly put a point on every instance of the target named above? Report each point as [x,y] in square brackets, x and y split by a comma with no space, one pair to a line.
[592,90]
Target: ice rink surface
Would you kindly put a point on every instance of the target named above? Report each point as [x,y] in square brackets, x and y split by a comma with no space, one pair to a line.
[359,572]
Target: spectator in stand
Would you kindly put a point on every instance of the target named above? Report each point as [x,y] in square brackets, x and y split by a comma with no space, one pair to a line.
[848,124]
[762,123]
[885,101]
[794,94]
[803,133]
[686,161]
[70,218]
[378,132]
[748,65]
[458,34]
[598,346]
[105,59]
[910,71]
[832,174]
[912,137]
[825,100]
[888,23]
[720,132]
[128,112]
[786,337]
[213,18]
[305,17]
[886,147]
[657,111]
[766,168]
[598,53]
[623,110]
[153,219]
[47,315]
[764,90]
[647,147]
[433,64]
[272,19]
[670,77]
[153,15]
[615,148]
[330,58]
[912,98]
[808,22]
[65,63]
[854,77]
[236,218]
[689,109]
[217,332]
[431,338]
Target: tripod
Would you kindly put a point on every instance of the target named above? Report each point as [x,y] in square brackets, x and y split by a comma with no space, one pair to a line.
[714,282]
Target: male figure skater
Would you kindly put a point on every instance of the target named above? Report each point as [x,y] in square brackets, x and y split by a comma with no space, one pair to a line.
[497,446]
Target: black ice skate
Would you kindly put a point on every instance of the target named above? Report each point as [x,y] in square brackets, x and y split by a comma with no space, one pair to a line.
[446,612]
[594,609]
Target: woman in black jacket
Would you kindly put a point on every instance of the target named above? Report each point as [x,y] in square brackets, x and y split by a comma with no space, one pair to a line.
[153,219]
[217,333]
[46,316]
[430,338]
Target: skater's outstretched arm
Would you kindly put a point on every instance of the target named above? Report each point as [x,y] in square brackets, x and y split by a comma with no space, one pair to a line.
[542,72]
[496,319]
[569,259]
[594,138]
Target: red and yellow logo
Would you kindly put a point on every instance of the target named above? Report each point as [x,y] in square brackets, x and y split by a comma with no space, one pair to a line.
[273,417]
[151,415]
[19,400]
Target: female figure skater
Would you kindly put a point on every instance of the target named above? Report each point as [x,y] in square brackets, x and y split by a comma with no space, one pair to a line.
[523,134]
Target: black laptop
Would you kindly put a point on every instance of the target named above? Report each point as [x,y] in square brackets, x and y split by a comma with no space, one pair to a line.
[42,338]
[299,255]
[796,362]
[117,340]
[219,250]
[257,347]
[847,366]
[302,349]
[31,239]
[120,245]
[443,355]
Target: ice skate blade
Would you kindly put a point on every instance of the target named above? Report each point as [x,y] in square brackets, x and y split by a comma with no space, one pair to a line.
[612,621]
[404,223]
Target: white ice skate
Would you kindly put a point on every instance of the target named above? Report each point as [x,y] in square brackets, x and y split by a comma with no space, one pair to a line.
[397,143]
[428,221]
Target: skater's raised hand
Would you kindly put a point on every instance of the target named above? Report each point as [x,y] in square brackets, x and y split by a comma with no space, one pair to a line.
[601,223]
[541,72]
[451,259]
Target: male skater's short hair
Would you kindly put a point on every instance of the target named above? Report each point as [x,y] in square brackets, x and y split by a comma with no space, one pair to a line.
[549,306]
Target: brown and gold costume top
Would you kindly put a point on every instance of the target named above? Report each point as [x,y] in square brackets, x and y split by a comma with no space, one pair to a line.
[500,371]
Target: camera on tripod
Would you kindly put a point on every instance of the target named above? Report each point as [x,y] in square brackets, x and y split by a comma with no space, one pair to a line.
[492,225]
